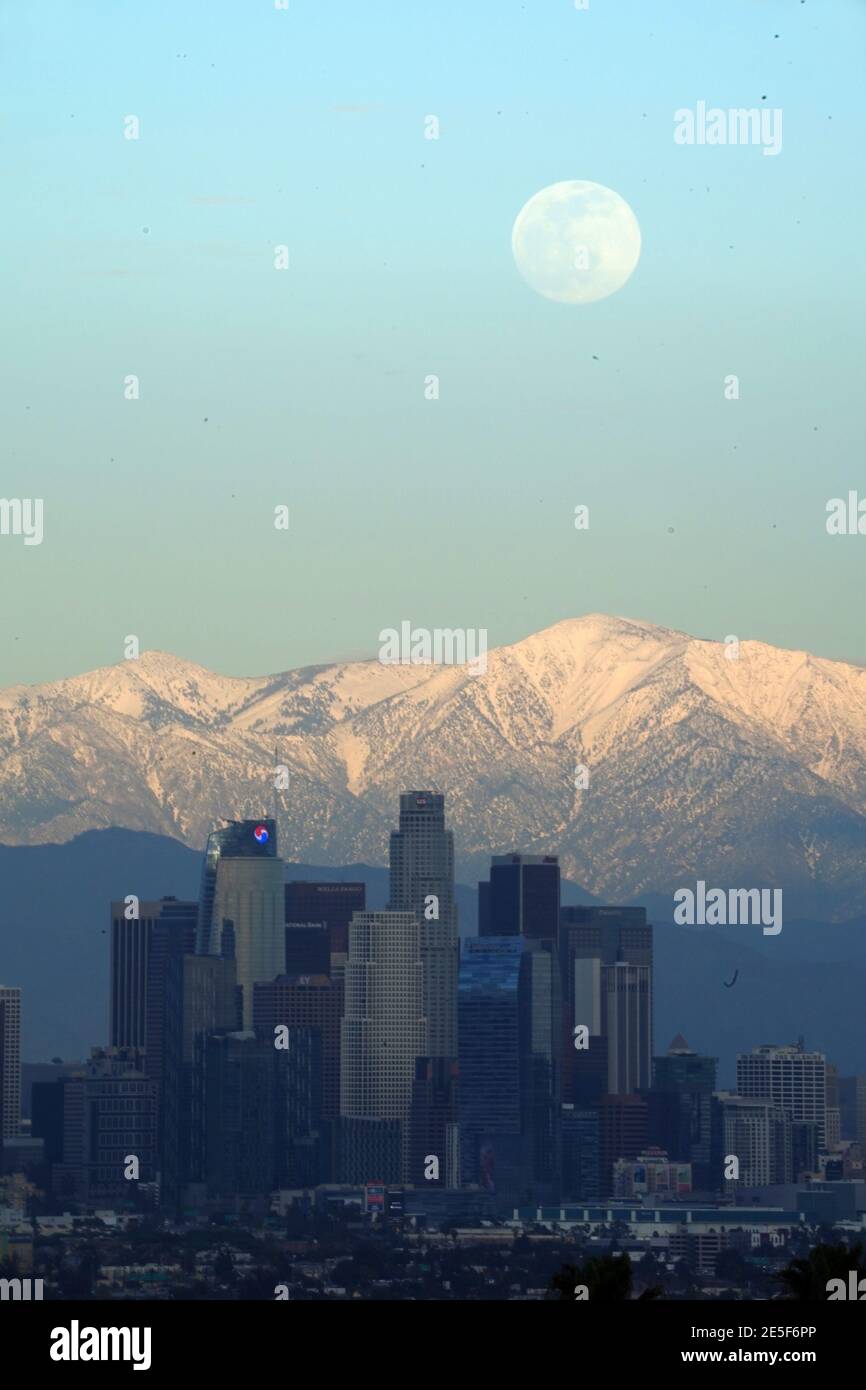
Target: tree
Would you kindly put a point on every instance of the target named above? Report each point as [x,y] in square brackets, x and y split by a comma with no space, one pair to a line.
[806,1281]
[608,1279]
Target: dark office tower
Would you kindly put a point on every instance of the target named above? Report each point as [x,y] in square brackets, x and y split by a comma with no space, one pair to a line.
[109,1115]
[245,1122]
[804,1149]
[10,1062]
[331,903]
[202,998]
[306,1001]
[623,1133]
[522,898]
[422,882]
[434,1123]
[242,889]
[852,1102]
[370,1147]
[306,1160]
[140,947]
[47,1118]
[509,1075]
[484,928]
[581,1154]
[606,958]
[489,1027]
[308,949]
[541,1019]
[681,1110]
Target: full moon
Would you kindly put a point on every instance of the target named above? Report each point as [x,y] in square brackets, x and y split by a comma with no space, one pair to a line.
[576,242]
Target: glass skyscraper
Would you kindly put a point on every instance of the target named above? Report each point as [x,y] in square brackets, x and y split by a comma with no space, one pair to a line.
[242,903]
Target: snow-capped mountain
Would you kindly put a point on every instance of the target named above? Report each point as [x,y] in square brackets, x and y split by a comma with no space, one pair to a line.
[743,772]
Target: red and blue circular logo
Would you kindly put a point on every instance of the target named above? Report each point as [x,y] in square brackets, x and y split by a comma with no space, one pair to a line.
[261,834]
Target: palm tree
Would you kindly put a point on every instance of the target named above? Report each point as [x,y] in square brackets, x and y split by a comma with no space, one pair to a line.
[806,1280]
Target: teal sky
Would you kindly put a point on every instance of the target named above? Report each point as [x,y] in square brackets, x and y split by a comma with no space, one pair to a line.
[262,127]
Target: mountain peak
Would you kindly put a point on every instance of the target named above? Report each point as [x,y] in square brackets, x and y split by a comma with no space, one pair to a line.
[643,757]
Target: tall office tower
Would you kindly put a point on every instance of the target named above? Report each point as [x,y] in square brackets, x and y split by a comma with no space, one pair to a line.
[202,999]
[681,1109]
[140,948]
[306,1001]
[243,897]
[384,1027]
[606,960]
[308,949]
[246,1121]
[422,881]
[10,1061]
[623,1134]
[757,1132]
[331,903]
[434,1123]
[833,1132]
[307,1160]
[581,1154]
[522,897]
[541,1090]
[627,1022]
[804,1150]
[109,1114]
[490,1109]
[790,1076]
[510,1030]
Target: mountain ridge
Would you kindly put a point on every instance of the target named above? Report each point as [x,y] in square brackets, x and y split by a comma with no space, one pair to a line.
[748,771]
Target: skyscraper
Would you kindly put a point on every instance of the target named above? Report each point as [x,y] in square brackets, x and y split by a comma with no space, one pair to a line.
[493,1151]
[606,957]
[790,1076]
[109,1114]
[10,1061]
[384,1028]
[757,1133]
[422,882]
[522,898]
[681,1109]
[243,899]
[246,1116]
[140,950]
[330,903]
[434,1122]
[202,999]
[308,949]
[311,1002]
[509,1024]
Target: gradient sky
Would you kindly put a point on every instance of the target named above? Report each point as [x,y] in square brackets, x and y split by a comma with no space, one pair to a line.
[306,128]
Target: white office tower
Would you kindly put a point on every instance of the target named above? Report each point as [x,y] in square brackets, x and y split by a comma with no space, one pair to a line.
[790,1076]
[10,1062]
[422,881]
[383,1031]
[242,909]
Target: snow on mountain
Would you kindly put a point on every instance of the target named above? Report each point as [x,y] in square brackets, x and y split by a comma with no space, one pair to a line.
[744,772]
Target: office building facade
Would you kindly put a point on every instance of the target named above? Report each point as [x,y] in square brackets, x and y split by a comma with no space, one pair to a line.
[422,882]
[242,904]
